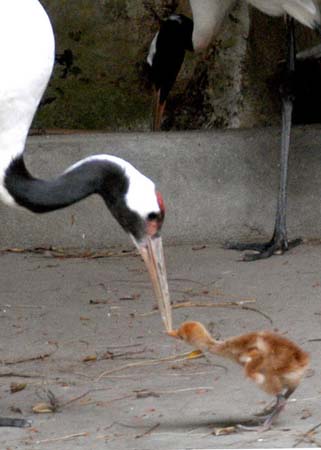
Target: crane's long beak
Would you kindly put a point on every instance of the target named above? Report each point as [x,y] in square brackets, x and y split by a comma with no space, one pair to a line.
[153,255]
[158,112]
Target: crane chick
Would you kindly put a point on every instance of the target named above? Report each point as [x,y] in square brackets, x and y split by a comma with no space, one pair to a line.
[276,364]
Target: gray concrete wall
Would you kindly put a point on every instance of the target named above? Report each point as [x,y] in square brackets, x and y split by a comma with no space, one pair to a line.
[217,186]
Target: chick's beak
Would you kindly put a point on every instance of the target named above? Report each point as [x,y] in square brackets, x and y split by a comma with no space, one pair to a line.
[151,250]
[173,333]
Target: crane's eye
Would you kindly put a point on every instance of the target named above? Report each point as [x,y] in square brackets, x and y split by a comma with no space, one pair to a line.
[154,223]
[152,216]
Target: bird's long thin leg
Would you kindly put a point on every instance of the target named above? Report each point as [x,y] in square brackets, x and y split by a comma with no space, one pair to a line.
[279,242]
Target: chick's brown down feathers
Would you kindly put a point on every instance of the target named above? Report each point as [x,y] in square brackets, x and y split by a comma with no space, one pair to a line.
[272,361]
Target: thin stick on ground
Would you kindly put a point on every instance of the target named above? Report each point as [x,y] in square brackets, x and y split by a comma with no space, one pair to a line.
[147,432]
[62,253]
[239,304]
[307,434]
[174,358]
[63,438]
[31,358]
[24,360]
[20,375]
[191,304]
[81,396]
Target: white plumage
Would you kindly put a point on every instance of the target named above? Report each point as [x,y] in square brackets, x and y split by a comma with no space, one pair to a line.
[304,11]
[27,50]
[27,58]
[140,186]
[208,15]
[167,54]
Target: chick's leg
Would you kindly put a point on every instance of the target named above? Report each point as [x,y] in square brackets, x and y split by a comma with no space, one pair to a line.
[271,384]
[267,420]
[270,408]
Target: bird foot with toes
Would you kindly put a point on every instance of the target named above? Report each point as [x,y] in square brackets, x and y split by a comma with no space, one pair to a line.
[263,250]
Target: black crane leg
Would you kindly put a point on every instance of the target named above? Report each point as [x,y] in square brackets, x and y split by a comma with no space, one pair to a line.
[279,242]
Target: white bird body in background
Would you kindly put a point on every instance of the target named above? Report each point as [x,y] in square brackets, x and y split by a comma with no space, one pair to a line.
[208,15]
[180,33]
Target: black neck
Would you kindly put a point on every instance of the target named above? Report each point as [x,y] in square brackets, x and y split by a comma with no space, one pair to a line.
[90,177]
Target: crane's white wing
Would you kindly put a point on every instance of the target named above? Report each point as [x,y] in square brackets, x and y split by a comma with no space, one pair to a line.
[208,16]
[304,11]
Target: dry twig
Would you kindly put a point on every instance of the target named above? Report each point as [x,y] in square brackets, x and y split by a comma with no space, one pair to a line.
[307,435]
[149,431]
[190,304]
[173,358]
[31,358]
[79,397]
[63,438]
[20,375]
[233,304]
[62,253]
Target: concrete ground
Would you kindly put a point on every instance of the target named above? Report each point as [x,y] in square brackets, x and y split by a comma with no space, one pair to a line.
[81,332]
[84,332]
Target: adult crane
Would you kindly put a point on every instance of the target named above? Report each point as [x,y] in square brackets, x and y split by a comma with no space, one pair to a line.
[179,33]
[27,54]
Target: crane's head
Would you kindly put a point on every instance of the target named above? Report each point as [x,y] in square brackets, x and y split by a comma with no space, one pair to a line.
[139,208]
[193,333]
[165,58]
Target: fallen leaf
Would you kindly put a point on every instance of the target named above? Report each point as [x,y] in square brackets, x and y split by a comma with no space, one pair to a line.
[98,302]
[198,247]
[194,354]
[90,358]
[42,408]
[144,393]
[17,387]
[223,431]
